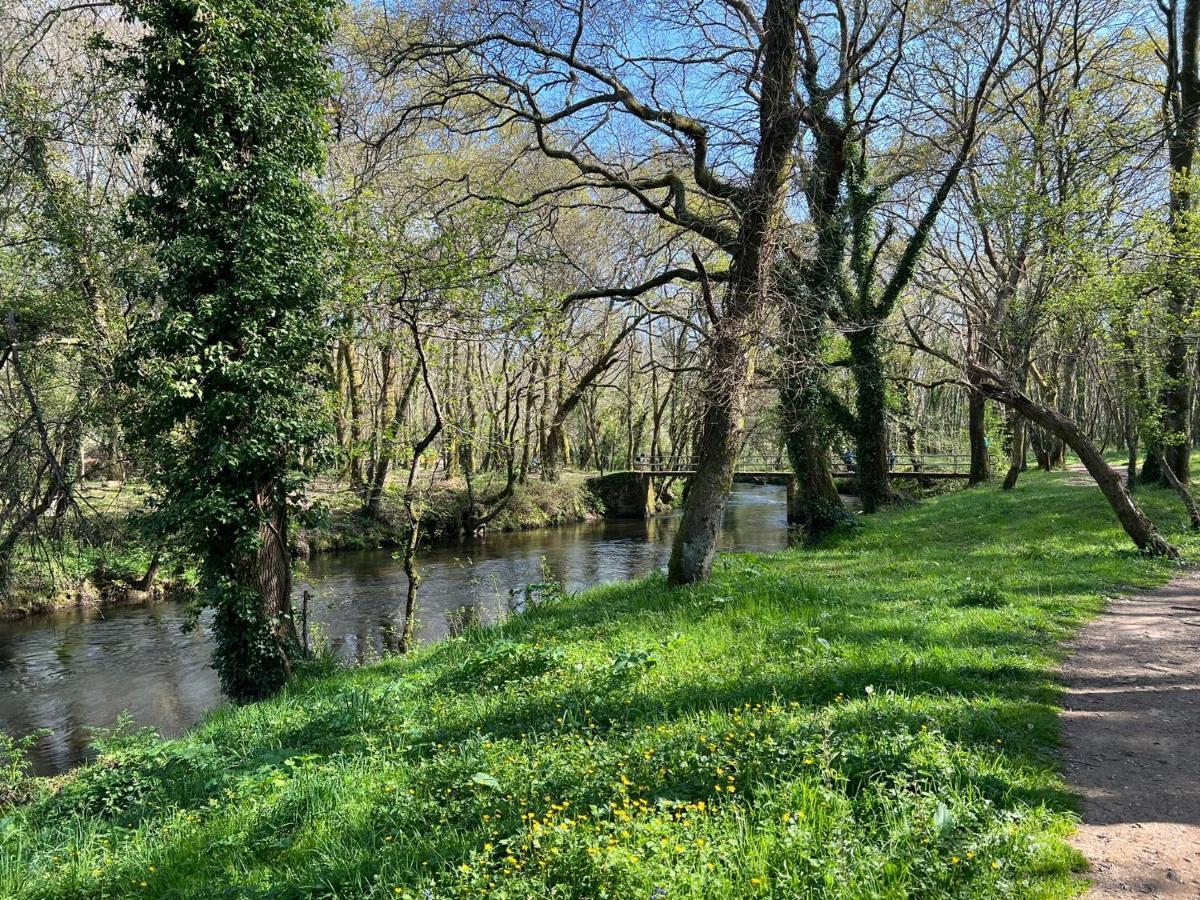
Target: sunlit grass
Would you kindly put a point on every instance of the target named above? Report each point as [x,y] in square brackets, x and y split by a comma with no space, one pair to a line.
[873,717]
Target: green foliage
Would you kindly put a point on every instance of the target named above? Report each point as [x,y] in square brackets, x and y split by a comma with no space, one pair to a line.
[502,662]
[226,370]
[630,665]
[16,784]
[979,593]
[838,726]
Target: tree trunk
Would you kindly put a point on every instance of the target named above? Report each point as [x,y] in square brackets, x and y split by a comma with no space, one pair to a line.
[717,448]
[817,504]
[1016,463]
[981,465]
[146,581]
[257,638]
[1041,450]
[1185,494]
[1177,398]
[525,398]
[871,416]
[1131,447]
[752,261]
[389,444]
[1151,466]
[1183,133]
[349,366]
[411,510]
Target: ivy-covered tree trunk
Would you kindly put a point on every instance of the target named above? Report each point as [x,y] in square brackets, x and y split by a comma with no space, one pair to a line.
[226,376]
[814,502]
[871,459]
[1177,388]
[1182,106]
[810,289]
[256,635]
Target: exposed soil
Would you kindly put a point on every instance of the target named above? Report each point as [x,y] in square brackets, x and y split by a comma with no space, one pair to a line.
[1132,743]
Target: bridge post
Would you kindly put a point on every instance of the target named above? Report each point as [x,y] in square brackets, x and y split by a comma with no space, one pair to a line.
[647,499]
[626,495]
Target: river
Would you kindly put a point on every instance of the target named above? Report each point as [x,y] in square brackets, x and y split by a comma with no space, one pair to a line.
[78,669]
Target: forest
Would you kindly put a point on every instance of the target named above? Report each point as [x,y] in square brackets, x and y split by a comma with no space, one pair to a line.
[285,281]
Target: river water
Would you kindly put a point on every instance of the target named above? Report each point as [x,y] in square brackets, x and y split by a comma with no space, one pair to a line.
[79,669]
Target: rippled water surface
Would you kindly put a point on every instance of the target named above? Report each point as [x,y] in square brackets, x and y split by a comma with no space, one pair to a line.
[74,670]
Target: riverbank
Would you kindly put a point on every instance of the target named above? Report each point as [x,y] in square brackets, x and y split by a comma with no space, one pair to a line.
[336,522]
[104,559]
[55,670]
[875,716]
[111,568]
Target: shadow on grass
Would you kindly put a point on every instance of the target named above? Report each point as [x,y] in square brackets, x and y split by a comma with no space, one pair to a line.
[809,628]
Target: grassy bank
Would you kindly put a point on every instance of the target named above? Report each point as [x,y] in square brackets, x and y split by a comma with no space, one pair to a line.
[337,524]
[873,717]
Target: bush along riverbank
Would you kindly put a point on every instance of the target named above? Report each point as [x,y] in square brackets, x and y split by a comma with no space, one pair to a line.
[104,558]
[336,522]
[874,716]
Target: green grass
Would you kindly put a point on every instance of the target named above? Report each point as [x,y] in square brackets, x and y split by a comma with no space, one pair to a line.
[873,717]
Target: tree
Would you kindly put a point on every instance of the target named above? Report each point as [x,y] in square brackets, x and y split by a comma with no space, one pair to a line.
[883,114]
[1181,111]
[225,371]
[61,187]
[630,132]
[1000,388]
[871,288]
[1044,207]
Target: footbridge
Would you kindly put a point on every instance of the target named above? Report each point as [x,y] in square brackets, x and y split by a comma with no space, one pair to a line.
[633,493]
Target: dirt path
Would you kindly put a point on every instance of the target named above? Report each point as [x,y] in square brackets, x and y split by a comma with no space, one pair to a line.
[1132,743]
[1080,477]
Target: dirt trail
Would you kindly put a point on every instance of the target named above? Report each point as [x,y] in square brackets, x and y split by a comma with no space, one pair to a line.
[1132,743]
[1080,477]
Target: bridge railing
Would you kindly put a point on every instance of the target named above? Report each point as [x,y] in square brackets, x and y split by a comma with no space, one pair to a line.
[899,464]
[654,464]
[928,463]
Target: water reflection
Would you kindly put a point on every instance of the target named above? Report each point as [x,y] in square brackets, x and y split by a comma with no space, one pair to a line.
[81,668]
